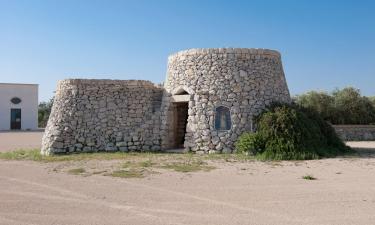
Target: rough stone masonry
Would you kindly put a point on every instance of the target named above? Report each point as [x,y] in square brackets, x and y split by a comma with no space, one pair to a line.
[210,97]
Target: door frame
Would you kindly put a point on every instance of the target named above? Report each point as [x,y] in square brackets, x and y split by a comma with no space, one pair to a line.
[176,106]
[15,125]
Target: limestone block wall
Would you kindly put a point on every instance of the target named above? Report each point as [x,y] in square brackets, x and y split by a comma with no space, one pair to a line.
[127,115]
[356,132]
[243,80]
[104,115]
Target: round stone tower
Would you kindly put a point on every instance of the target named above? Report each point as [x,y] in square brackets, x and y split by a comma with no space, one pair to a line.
[212,95]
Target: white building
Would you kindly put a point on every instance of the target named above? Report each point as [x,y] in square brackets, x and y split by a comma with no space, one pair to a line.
[18,106]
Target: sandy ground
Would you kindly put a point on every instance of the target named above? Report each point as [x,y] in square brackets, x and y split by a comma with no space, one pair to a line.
[20,140]
[361,144]
[234,193]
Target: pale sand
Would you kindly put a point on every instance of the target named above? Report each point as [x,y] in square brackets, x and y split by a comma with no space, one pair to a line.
[361,144]
[234,193]
[12,140]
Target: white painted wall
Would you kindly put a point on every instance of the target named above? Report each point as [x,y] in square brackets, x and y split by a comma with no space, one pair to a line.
[28,93]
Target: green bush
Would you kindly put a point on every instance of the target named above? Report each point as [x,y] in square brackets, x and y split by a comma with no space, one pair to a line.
[289,132]
[249,143]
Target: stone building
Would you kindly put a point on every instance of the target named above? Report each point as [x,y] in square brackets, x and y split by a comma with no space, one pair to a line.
[209,98]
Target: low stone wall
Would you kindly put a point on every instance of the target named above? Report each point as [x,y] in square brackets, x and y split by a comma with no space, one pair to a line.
[104,115]
[356,132]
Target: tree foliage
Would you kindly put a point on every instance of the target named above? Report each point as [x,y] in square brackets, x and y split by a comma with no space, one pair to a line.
[345,106]
[44,110]
[321,102]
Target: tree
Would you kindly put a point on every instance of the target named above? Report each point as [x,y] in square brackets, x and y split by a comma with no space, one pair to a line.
[44,110]
[372,99]
[352,108]
[321,102]
[345,106]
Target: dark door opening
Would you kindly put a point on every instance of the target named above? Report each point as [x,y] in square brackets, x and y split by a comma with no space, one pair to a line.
[15,119]
[181,116]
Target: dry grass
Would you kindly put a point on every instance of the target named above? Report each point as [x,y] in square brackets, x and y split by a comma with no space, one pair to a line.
[77,171]
[124,165]
[309,177]
[127,173]
[188,166]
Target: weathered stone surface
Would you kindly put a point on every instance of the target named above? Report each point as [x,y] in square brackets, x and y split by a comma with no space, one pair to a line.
[102,115]
[123,149]
[136,115]
[244,80]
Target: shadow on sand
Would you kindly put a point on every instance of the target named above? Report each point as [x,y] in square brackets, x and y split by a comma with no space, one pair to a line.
[364,152]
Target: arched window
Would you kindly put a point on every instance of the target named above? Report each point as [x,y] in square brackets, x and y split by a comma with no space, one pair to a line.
[181,91]
[222,118]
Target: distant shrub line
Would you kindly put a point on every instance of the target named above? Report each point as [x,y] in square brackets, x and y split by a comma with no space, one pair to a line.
[345,106]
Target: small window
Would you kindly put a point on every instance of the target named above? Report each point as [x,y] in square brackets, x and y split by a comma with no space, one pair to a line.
[222,118]
[183,93]
[16,100]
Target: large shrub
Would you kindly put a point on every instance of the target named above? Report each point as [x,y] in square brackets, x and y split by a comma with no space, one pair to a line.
[286,132]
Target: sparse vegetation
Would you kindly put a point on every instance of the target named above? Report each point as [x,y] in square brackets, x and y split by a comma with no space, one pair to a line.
[99,172]
[147,163]
[147,158]
[132,173]
[309,177]
[183,164]
[34,155]
[136,164]
[188,166]
[131,164]
[77,171]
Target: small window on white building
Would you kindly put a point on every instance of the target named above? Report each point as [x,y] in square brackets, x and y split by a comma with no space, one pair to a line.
[222,118]
[16,100]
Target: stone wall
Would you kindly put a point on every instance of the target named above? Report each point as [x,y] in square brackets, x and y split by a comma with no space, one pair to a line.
[356,132]
[243,80]
[103,115]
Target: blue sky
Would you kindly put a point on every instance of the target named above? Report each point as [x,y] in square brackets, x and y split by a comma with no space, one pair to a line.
[324,44]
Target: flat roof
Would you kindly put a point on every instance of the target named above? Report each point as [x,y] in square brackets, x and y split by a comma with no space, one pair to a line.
[16,84]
